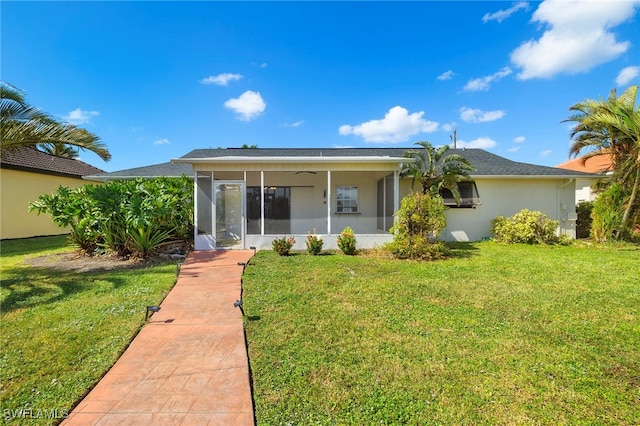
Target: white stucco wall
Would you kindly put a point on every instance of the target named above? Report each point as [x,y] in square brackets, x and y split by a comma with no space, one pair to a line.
[584,191]
[505,197]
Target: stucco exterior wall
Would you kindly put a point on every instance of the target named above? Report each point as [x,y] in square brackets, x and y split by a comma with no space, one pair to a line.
[584,191]
[18,189]
[505,197]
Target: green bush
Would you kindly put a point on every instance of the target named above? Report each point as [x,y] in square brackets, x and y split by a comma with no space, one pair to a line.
[129,217]
[419,222]
[347,241]
[283,245]
[528,227]
[607,214]
[583,224]
[314,243]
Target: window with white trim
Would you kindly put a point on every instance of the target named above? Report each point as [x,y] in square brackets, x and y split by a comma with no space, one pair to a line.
[347,199]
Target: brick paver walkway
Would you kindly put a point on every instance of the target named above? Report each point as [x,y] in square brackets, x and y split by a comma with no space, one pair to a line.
[189,364]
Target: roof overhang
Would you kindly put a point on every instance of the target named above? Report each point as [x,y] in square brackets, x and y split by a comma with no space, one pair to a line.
[536,177]
[291,163]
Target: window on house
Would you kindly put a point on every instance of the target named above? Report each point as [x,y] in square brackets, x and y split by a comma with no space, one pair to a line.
[347,199]
[468,195]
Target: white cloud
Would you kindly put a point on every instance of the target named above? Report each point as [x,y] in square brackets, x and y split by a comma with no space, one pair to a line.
[482,143]
[221,79]
[396,126]
[578,37]
[501,15]
[471,115]
[248,106]
[162,142]
[446,75]
[546,153]
[519,139]
[78,116]
[513,149]
[627,75]
[484,83]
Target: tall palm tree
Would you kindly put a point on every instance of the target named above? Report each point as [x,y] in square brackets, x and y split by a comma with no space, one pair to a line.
[612,127]
[437,168]
[24,125]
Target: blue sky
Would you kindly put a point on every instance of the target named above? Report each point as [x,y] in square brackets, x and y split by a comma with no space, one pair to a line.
[155,80]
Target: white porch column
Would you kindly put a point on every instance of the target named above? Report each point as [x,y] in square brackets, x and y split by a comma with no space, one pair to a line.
[328,202]
[261,202]
[195,206]
[214,229]
[396,193]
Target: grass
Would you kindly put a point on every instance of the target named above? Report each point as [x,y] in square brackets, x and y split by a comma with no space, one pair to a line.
[62,330]
[500,334]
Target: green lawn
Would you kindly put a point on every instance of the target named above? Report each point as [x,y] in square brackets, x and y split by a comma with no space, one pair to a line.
[62,330]
[500,334]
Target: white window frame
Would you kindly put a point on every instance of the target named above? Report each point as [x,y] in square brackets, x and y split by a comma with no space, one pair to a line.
[350,204]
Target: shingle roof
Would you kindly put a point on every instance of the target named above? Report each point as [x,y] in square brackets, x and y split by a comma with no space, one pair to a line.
[32,160]
[486,163]
[152,171]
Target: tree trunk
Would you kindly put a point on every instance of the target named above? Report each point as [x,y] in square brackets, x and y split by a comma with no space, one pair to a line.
[632,202]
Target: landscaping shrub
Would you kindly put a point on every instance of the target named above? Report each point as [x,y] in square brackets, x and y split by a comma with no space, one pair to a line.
[130,217]
[419,222]
[583,224]
[347,241]
[607,214]
[528,227]
[283,245]
[314,243]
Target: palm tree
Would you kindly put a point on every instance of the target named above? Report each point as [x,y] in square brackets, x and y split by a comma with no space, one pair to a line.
[59,150]
[436,169]
[24,125]
[612,127]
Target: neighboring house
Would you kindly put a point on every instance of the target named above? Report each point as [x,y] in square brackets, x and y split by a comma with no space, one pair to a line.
[600,165]
[25,174]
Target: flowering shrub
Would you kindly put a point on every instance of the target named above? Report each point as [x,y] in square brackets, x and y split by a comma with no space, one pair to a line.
[528,227]
[314,243]
[347,241]
[283,245]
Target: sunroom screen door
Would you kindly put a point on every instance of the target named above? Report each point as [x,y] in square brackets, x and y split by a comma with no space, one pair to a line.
[229,214]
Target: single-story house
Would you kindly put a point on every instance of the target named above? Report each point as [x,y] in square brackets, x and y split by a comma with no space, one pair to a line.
[600,164]
[247,197]
[25,175]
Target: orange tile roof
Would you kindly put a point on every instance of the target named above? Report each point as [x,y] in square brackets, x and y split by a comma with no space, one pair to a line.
[598,164]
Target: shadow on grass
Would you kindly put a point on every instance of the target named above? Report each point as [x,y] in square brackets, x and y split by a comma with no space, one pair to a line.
[22,246]
[37,286]
[463,250]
